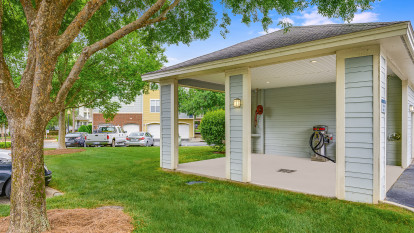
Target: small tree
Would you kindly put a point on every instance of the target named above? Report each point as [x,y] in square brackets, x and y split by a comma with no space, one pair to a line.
[213,129]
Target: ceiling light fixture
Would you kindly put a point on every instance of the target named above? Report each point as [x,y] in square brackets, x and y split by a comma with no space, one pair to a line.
[267,82]
[313,61]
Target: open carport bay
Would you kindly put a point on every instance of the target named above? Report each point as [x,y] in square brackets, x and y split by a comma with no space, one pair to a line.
[284,172]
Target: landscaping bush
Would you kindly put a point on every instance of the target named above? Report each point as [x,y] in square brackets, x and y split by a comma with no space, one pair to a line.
[53,132]
[89,128]
[7,145]
[84,128]
[213,129]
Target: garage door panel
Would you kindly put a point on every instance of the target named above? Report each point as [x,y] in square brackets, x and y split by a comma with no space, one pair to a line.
[131,128]
[154,130]
[184,130]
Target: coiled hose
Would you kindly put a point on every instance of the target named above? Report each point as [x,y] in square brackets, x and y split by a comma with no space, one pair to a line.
[319,145]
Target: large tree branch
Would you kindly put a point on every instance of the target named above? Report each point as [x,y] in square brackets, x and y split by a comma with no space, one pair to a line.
[143,21]
[74,28]
[29,11]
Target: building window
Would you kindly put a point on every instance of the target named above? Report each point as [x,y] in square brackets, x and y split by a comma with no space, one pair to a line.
[155,106]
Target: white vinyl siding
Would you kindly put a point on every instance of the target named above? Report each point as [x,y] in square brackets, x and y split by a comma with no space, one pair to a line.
[155,106]
[290,114]
[410,94]
[359,129]
[394,120]
[133,107]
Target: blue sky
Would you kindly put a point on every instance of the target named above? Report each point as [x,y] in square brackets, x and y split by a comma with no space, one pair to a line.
[383,11]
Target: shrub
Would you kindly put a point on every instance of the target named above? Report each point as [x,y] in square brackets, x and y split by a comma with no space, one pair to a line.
[83,128]
[213,129]
[53,132]
[2,145]
[89,128]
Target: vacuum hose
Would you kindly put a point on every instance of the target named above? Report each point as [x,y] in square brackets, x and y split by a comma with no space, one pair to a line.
[319,145]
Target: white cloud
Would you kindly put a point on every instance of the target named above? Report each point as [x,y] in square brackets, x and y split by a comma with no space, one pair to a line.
[172,61]
[314,18]
[365,17]
[269,30]
[287,20]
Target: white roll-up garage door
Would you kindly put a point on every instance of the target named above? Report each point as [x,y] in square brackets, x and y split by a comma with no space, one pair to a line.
[131,128]
[184,131]
[154,130]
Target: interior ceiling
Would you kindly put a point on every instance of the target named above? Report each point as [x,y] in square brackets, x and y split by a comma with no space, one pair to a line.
[294,73]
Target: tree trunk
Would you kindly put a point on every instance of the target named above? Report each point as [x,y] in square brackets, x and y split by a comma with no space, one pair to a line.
[62,130]
[28,196]
[73,120]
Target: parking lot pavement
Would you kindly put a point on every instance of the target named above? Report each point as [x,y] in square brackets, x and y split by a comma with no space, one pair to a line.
[185,143]
[50,144]
[54,144]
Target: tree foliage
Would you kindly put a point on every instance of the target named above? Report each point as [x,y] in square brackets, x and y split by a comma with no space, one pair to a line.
[213,129]
[3,118]
[114,72]
[198,102]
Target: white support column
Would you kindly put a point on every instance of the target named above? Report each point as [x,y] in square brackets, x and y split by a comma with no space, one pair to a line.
[405,130]
[238,125]
[361,124]
[169,124]
[407,124]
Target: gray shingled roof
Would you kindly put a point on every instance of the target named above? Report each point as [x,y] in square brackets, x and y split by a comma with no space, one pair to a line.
[278,39]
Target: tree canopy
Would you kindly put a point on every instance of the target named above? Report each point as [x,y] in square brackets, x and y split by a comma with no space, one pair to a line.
[198,102]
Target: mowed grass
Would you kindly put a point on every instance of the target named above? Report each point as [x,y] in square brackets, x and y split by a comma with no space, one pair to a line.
[160,201]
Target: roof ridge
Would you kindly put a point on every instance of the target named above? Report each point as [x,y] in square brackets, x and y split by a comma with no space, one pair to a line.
[279,39]
[342,24]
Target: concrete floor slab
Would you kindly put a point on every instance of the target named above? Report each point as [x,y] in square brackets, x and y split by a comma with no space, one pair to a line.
[284,172]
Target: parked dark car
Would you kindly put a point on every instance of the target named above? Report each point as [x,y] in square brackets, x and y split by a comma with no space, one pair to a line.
[75,139]
[6,170]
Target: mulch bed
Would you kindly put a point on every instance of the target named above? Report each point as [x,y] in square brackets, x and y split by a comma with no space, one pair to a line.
[62,151]
[84,221]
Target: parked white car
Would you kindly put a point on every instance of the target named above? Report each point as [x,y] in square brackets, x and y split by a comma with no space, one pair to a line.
[139,139]
[107,135]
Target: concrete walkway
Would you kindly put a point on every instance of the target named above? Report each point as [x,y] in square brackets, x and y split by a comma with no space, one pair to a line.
[402,192]
[284,172]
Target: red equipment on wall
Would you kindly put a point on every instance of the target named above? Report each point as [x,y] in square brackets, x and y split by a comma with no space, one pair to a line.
[259,111]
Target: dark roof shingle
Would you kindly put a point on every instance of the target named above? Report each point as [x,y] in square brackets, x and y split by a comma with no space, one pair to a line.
[279,39]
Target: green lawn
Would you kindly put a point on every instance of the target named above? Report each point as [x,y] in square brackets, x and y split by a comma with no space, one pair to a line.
[160,201]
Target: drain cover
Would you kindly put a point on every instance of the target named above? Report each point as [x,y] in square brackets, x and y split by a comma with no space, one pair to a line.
[195,182]
[286,170]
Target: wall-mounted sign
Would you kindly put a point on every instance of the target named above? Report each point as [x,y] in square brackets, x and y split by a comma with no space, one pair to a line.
[383,105]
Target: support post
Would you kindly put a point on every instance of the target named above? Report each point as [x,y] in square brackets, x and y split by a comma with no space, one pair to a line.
[361,124]
[407,125]
[238,125]
[169,124]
